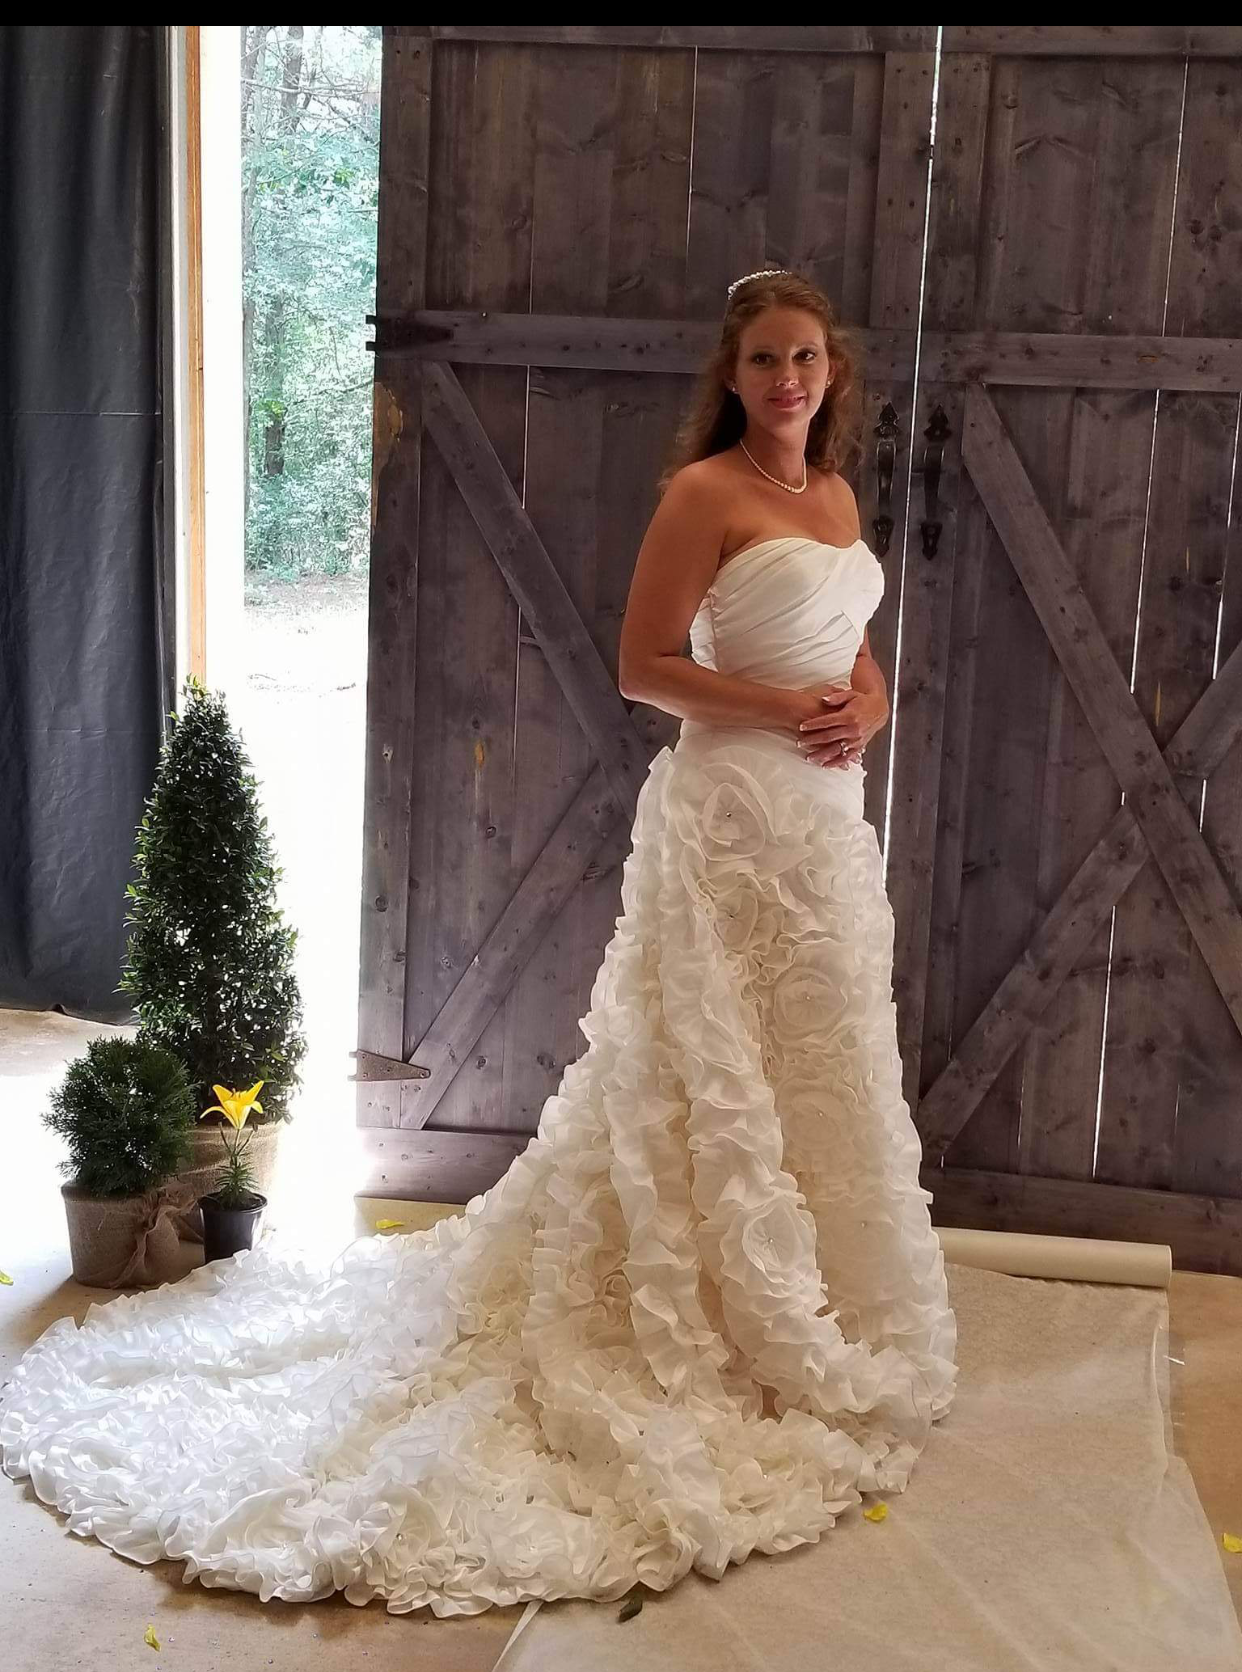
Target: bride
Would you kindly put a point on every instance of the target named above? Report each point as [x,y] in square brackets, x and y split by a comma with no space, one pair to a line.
[705,1310]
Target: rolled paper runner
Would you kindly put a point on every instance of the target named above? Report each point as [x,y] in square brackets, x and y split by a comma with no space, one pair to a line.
[1146,1265]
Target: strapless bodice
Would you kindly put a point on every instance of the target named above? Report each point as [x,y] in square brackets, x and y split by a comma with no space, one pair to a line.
[790,611]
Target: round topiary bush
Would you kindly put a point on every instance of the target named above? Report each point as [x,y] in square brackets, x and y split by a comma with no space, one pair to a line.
[125,1109]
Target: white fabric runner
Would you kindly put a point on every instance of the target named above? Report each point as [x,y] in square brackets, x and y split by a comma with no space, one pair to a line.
[1050,1525]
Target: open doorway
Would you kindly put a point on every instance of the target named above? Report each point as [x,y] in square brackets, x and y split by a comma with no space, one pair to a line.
[308,98]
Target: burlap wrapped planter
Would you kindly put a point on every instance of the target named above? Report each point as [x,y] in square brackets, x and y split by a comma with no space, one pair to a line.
[125,1242]
[207,1155]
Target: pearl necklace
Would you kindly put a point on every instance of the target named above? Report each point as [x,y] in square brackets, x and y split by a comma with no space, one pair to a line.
[786,485]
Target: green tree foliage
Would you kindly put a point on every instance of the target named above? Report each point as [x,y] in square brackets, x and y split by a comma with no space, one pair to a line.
[310,156]
[236,1186]
[210,961]
[125,1110]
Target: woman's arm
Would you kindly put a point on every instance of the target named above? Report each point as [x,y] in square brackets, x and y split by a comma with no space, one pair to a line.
[865,676]
[676,564]
[852,714]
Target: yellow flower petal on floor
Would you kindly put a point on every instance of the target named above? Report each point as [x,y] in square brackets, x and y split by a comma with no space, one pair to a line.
[877,1512]
[389,1224]
[1231,1542]
[5,1278]
[150,1639]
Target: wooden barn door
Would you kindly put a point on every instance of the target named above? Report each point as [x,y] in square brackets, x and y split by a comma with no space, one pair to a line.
[561,210]
[1051,345]
[1069,791]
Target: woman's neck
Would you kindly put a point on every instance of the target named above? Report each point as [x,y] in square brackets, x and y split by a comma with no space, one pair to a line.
[783,458]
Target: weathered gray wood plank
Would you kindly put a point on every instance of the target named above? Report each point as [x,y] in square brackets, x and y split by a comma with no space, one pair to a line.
[795,38]
[575,169]
[856,114]
[951,306]
[1204,296]
[1020,278]
[901,187]
[436,1165]
[1022,359]
[1204,1232]
[918,589]
[1113,40]
[462,864]
[971,546]
[727,229]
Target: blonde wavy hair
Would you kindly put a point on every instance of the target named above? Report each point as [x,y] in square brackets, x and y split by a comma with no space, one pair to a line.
[716,418]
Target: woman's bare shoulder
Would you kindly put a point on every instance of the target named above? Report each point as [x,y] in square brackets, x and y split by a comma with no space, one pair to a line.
[701,476]
[706,492]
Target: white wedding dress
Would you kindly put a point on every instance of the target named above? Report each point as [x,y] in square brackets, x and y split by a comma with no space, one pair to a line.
[701,1314]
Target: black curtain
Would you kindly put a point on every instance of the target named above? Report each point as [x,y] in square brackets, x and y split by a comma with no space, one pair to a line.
[83,652]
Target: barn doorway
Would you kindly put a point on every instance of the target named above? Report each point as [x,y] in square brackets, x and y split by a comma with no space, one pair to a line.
[562,210]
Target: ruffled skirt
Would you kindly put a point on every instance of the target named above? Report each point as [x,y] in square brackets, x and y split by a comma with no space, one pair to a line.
[700,1315]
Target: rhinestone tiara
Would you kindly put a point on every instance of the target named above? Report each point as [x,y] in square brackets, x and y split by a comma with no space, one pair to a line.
[763,273]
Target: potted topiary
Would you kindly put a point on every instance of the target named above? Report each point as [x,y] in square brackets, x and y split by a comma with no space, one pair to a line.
[126,1112]
[210,961]
[231,1211]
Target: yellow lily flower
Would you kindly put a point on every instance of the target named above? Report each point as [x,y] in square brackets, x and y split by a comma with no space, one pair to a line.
[235,1105]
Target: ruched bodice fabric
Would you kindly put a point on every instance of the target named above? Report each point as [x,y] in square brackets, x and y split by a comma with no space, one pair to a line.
[788,611]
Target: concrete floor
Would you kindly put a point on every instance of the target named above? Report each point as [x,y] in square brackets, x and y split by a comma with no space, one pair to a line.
[69,1603]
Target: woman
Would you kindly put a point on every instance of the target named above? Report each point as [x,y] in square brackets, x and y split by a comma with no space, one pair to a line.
[705,1310]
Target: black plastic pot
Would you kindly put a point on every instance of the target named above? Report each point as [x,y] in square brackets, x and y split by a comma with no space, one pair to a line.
[229,1230]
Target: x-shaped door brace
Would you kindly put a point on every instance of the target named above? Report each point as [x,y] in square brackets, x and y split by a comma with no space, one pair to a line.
[609,792]
[1155,821]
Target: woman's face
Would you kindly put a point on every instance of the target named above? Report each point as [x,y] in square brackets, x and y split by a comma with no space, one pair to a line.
[782,370]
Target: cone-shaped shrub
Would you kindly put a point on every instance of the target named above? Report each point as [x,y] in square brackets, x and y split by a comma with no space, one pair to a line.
[210,959]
